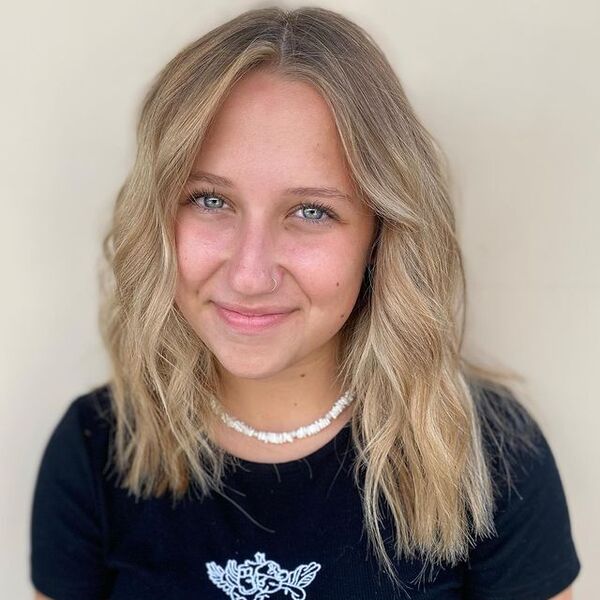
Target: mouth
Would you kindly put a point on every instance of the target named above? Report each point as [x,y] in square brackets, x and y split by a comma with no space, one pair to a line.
[249,324]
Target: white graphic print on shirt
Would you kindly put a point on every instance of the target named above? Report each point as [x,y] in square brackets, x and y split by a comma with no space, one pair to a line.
[261,578]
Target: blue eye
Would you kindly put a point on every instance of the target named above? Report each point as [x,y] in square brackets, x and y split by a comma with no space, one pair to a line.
[200,197]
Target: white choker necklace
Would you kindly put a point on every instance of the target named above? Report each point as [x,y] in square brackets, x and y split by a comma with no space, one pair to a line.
[273,437]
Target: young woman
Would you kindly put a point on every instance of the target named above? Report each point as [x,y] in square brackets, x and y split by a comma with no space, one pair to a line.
[289,414]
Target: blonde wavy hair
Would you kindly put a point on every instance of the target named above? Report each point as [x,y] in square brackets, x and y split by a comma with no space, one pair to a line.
[421,409]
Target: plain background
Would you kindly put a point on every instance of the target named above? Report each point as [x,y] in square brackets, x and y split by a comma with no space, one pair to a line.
[511,91]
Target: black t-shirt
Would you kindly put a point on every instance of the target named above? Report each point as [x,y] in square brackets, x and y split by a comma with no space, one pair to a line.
[292,530]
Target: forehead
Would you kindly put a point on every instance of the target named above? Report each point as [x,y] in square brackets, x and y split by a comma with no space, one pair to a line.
[274,128]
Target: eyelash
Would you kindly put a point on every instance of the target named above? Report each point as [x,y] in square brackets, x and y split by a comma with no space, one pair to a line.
[191,199]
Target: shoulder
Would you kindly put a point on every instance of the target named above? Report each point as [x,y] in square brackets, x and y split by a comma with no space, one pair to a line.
[89,415]
[92,408]
[68,527]
[75,455]
[521,461]
[80,438]
[532,549]
[512,439]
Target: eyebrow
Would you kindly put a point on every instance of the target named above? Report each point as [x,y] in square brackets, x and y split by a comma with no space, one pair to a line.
[303,192]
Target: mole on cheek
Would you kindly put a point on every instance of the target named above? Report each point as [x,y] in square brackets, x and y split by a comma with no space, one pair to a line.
[337,284]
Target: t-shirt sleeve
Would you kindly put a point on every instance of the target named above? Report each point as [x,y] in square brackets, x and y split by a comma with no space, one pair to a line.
[66,560]
[533,556]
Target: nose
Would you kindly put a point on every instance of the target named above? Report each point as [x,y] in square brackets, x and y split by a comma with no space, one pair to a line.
[252,264]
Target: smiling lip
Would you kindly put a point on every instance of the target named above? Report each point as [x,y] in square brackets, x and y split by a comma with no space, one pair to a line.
[243,323]
[252,312]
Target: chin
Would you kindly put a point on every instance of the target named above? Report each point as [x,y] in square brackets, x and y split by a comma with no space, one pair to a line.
[250,369]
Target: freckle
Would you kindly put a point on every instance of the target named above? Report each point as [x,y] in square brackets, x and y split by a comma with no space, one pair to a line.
[302,374]
[337,284]
[342,315]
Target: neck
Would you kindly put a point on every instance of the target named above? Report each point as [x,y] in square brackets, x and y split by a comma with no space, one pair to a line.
[251,449]
[290,399]
[280,403]
[287,399]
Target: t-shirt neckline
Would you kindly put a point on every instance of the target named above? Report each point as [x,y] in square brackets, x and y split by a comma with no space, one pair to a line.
[338,443]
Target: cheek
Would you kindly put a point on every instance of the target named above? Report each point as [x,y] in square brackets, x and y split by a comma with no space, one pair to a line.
[195,253]
[332,305]
[335,285]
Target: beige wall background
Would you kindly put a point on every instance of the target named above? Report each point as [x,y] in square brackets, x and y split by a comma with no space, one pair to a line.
[509,88]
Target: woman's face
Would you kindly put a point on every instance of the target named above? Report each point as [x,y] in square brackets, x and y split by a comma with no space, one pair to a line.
[271,142]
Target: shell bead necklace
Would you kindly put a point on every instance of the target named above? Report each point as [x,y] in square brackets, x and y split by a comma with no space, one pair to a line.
[276,437]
